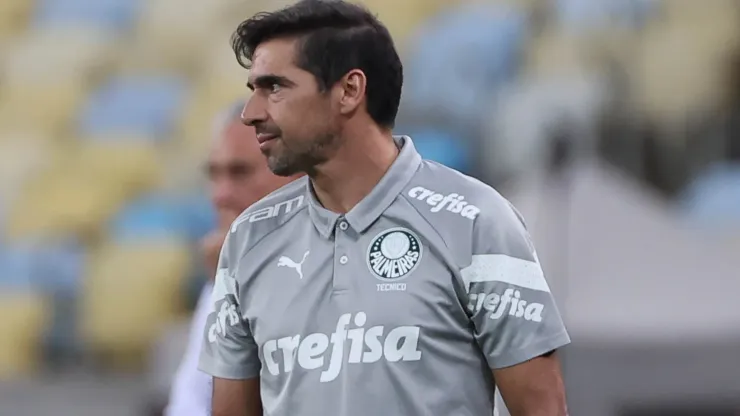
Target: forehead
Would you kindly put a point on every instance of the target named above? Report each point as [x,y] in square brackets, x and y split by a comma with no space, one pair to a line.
[273,57]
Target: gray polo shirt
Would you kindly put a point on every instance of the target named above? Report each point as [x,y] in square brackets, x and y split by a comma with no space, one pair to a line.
[399,307]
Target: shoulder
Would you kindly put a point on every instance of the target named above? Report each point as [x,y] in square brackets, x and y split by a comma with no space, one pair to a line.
[267,215]
[469,214]
[437,189]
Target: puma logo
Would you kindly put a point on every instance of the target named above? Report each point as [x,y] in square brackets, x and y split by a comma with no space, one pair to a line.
[288,262]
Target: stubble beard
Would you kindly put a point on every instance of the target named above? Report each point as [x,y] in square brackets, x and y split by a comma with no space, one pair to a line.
[289,162]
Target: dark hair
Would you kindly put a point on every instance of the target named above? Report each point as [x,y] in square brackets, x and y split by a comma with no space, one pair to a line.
[334,38]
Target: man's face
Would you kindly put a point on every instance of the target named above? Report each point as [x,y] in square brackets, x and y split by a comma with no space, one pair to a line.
[296,124]
[238,174]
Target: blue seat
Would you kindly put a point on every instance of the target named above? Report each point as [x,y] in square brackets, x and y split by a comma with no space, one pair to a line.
[443,147]
[460,60]
[62,267]
[53,267]
[106,14]
[713,198]
[580,15]
[200,215]
[16,269]
[139,105]
[150,217]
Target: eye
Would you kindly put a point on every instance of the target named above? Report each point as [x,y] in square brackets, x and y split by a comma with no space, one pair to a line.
[275,88]
[238,171]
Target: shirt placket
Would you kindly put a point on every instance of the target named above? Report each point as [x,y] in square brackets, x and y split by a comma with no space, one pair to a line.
[343,261]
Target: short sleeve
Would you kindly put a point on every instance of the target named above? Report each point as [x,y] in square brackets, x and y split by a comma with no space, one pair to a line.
[512,310]
[229,350]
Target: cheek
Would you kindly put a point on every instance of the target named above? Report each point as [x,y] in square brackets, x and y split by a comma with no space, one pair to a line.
[301,116]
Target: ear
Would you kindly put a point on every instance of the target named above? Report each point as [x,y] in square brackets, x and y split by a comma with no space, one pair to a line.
[352,91]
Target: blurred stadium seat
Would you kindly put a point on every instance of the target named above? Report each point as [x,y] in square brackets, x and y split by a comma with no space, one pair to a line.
[84,187]
[56,55]
[128,163]
[444,147]
[200,213]
[150,217]
[24,320]
[51,91]
[460,58]
[221,83]
[688,10]
[554,52]
[699,45]
[131,292]
[54,270]
[61,267]
[16,269]
[163,215]
[713,198]
[21,155]
[107,14]
[175,37]
[51,267]
[13,17]
[402,21]
[589,15]
[22,105]
[62,202]
[144,105]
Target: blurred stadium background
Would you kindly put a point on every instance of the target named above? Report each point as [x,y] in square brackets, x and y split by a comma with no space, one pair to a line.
[613,125]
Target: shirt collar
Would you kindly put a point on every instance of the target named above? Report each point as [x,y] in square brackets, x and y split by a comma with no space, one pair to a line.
[369,209]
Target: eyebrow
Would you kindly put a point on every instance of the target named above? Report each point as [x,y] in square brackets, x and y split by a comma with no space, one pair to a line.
[265,81]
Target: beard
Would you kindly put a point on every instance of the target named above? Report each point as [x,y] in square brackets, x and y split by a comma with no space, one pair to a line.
[288,160]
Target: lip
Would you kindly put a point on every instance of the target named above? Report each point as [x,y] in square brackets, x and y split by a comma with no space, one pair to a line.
[265,137]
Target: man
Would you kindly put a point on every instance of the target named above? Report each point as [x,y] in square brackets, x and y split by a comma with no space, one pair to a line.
[238,177]
[381,284]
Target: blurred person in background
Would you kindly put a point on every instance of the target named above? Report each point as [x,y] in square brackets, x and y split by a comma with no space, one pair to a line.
[238,177]
[380,283]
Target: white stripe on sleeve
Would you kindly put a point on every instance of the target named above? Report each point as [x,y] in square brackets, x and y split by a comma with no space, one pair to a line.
[505,269]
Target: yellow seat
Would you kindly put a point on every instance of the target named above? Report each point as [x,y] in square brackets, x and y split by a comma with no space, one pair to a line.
[171,36]
[700,49]
[197,126]
[49,107]
[61,202]
[13,16]
[219,61]
[50,93]
[690,10]
[222,82]
[83,188]
[129,164]
[557,53]
[131,292]
[67,53]
[24,320]
[20,157]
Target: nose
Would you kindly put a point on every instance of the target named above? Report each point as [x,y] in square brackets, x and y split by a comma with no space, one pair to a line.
[254,111]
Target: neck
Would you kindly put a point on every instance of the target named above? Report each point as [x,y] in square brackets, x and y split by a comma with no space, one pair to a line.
[354,170]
